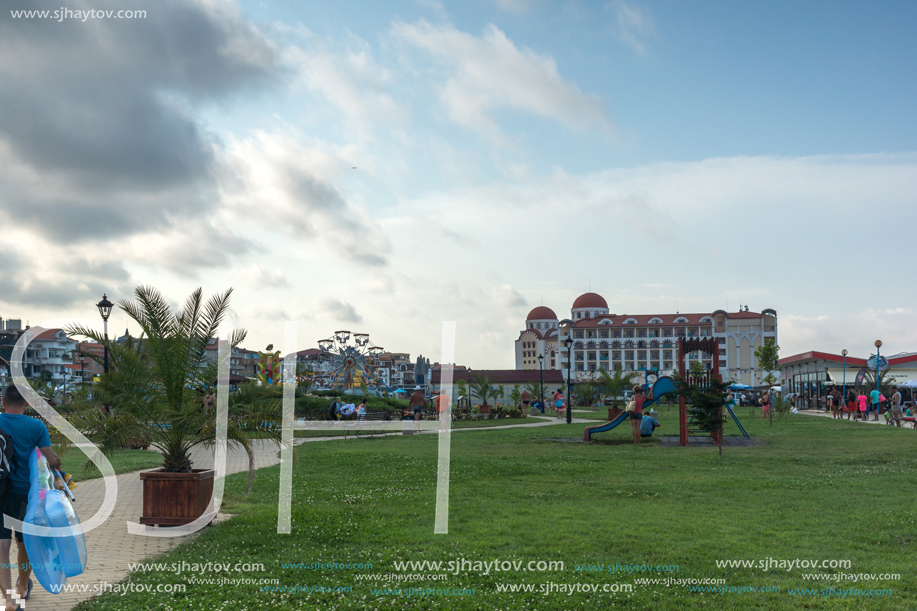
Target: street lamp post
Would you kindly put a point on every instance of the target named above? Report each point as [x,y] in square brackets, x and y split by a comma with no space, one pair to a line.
[541,380]
[569,344]
[105,307]
[82,372]
[878,384]
[844,354]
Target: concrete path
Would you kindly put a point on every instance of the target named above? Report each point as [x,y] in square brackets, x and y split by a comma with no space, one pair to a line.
[111,549]
[881,420]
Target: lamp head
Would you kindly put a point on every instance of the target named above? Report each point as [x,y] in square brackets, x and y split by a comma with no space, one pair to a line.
[105,307]
[878,343]
[844,352]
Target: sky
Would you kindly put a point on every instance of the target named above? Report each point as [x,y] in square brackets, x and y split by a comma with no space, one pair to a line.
[385,167]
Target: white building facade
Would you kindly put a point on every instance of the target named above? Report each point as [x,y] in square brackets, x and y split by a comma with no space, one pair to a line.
[643,343]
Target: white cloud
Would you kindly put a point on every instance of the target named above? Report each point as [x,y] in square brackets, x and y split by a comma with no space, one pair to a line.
[351,80]
[274,181]
[262,277]
[490,73]
[633,25]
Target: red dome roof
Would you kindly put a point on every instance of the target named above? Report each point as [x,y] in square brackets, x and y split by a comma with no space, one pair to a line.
[590,300]
[542,313]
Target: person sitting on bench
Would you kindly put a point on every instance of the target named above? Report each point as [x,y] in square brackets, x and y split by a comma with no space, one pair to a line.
[648,424]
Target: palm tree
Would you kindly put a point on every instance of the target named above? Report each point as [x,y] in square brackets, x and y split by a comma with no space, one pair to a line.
[159,387]
[482,386]
[616,384]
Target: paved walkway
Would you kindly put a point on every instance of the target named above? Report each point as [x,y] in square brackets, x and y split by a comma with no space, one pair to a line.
[111,548]
[822,414]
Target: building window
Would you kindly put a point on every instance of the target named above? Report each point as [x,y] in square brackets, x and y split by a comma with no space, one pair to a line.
[603,333]
[616,333]
[577,334]
[641,332]
[628,333]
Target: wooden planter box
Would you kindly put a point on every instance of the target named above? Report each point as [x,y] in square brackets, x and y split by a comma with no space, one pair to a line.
[614,412]
[485,409]
[173,499]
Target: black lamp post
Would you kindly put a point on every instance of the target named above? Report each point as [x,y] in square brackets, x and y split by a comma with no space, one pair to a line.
[105,307]
[569,344]
[541,379]
[844,354]
[878,383]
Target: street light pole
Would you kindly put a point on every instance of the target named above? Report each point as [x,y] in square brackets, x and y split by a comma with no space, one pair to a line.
[878,385]
[844,398]
[569,343]
[541,379]
[105,307]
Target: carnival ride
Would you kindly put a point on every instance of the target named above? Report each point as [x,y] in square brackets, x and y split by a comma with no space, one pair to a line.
[351,361]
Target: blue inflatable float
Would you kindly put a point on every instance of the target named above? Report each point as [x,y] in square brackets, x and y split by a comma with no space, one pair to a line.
[53,559]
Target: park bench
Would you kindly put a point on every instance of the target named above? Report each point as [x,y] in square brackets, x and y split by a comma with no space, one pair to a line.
[364,422]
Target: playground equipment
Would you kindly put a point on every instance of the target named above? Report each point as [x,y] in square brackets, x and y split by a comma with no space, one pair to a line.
[663,386]
[352,357]
[666,385]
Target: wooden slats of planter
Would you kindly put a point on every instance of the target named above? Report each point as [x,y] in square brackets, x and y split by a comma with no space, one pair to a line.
[173,499]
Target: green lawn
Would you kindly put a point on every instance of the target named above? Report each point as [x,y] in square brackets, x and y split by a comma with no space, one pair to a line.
[815,489]
[122,461]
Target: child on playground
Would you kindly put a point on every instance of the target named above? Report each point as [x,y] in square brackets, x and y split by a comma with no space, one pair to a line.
[765,405]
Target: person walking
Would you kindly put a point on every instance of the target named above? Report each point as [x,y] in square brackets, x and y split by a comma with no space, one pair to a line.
[765,404]
[26,433]
[417,403]
[863,405]
[895,414]
[874,397]
[851,405]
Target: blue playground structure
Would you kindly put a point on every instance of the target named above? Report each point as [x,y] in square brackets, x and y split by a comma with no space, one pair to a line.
[663,386]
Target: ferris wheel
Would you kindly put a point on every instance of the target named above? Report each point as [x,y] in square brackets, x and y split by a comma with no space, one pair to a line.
[351,357]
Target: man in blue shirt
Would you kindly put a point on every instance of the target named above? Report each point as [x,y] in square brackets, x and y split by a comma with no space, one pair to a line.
[27,434]
[874,403]
[648,424]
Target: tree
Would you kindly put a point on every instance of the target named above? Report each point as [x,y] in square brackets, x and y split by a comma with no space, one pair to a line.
[696,369]
[706,402]
[615,384]
[516,395]
[767,355]
[587,393]
[535,389]
[162,385]
[462,389]
[482,386]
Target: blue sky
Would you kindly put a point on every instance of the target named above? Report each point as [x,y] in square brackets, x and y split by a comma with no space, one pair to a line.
[690,155]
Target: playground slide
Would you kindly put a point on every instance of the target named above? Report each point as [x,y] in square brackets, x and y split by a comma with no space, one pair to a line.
[587,434]
[738,424]
[663,386]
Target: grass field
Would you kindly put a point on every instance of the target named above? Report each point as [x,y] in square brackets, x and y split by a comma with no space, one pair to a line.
[122,461]
[814,489]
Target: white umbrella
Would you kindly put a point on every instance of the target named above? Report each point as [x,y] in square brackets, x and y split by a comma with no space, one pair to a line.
[908,384]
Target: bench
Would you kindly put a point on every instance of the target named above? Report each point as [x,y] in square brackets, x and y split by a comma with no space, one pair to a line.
[359,423]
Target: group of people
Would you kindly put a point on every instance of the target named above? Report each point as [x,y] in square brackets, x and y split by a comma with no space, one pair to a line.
[859,405]
[342,411]
[641,425]
[25,434]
